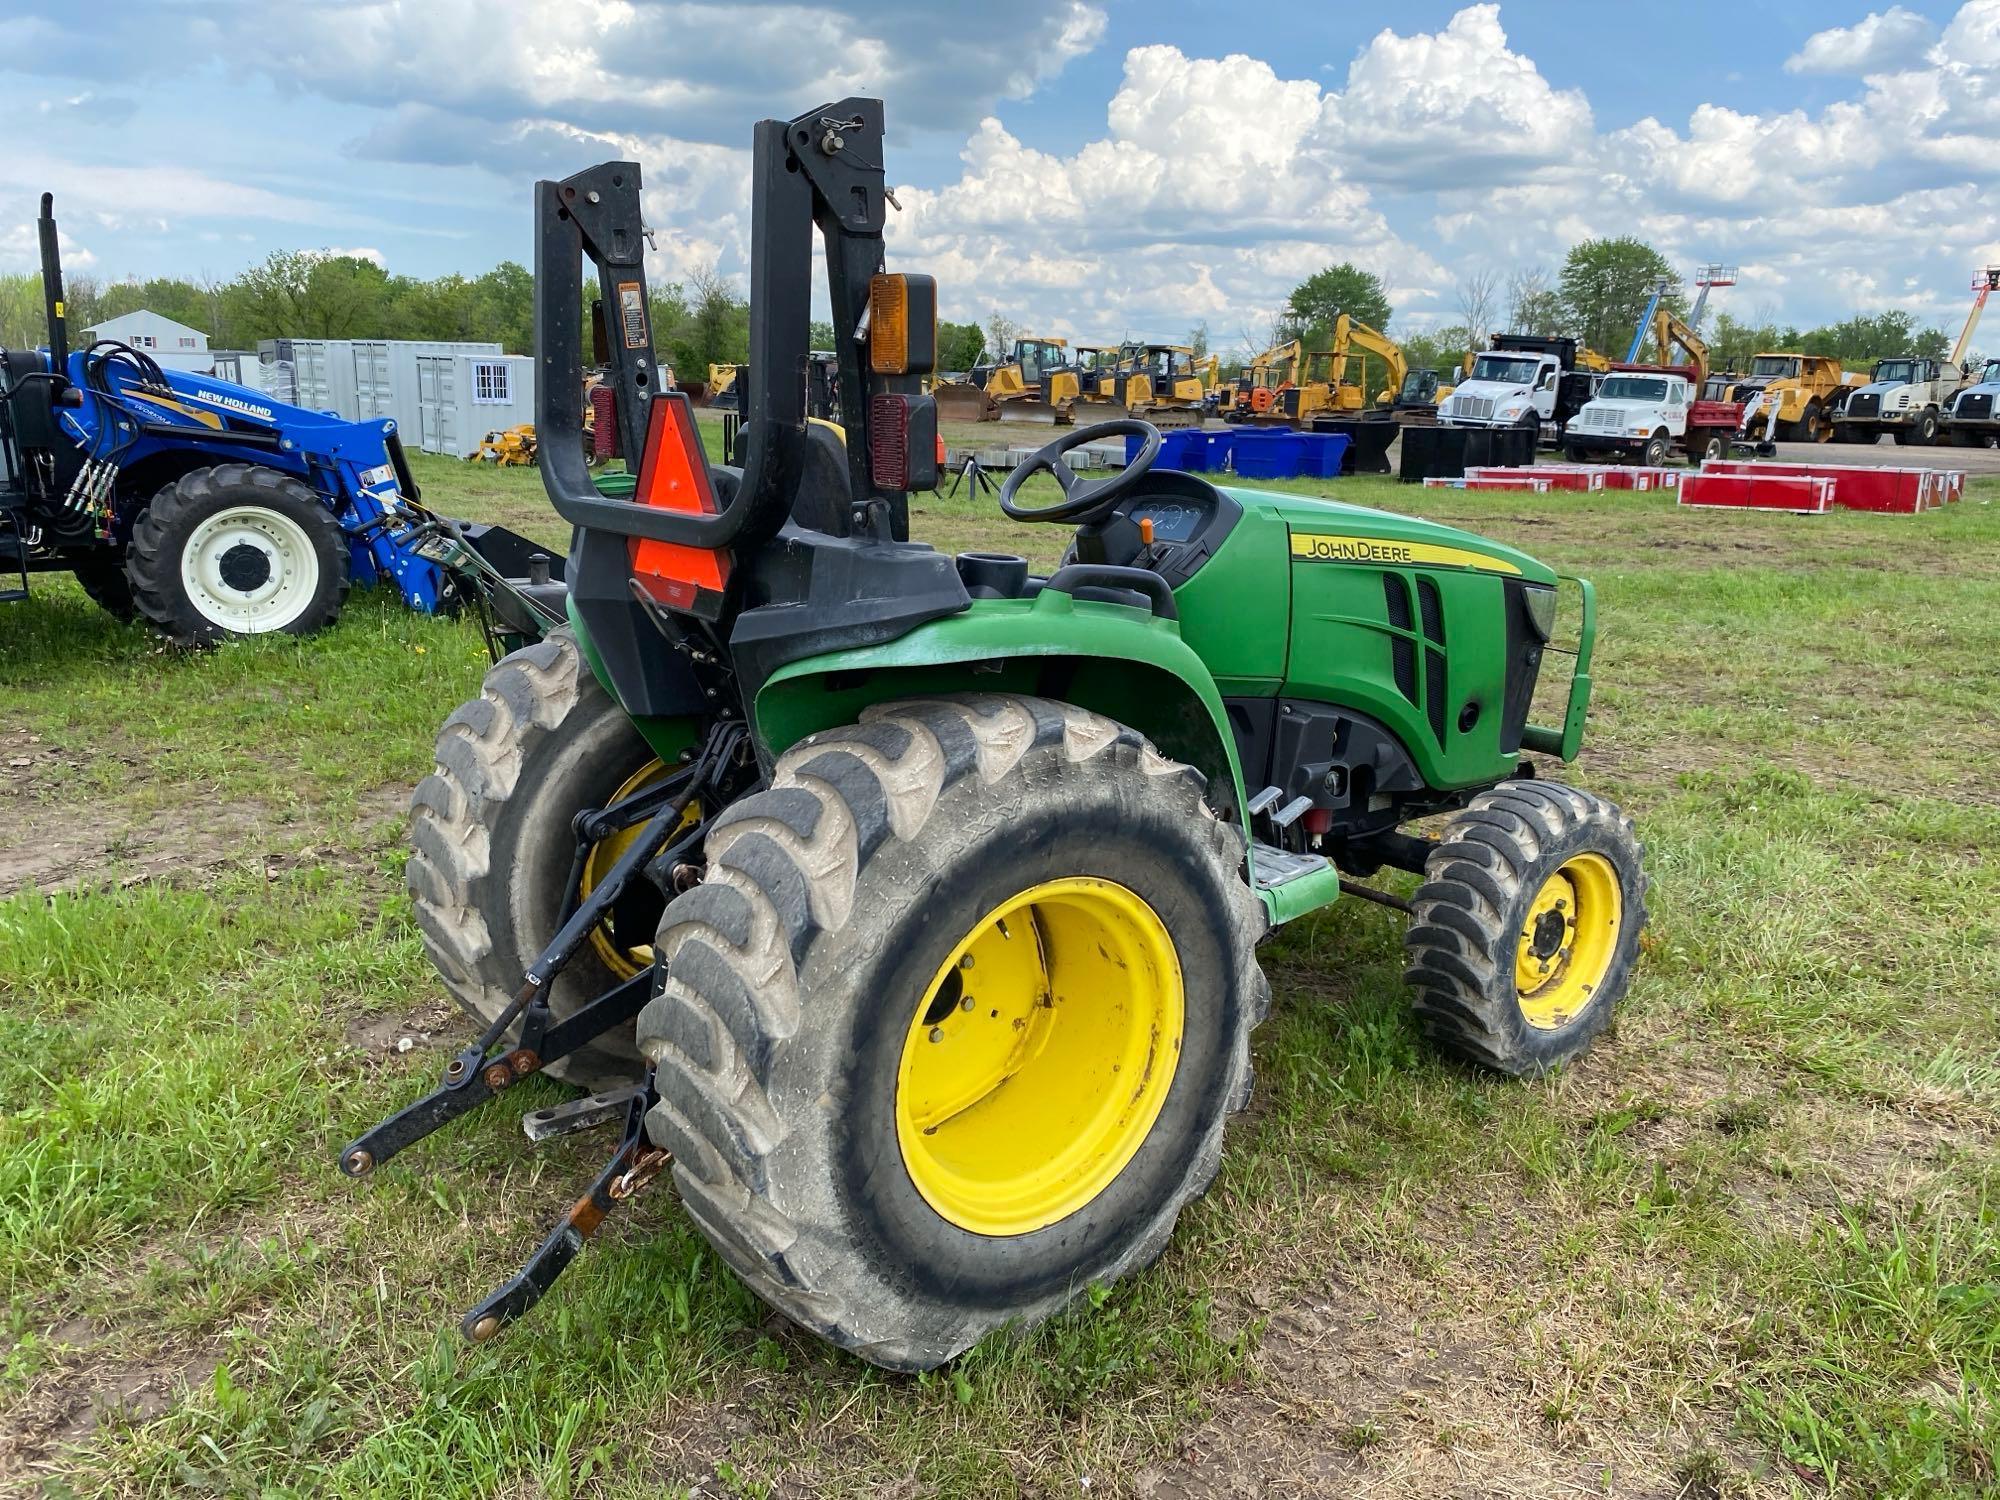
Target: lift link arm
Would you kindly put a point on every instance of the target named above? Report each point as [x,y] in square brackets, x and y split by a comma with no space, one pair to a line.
[632,1166]
[444,1104]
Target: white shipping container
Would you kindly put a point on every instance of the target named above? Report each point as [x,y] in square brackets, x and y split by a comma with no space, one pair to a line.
[462,397]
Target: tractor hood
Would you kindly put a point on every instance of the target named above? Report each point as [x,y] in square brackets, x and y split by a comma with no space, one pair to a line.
[1331,531]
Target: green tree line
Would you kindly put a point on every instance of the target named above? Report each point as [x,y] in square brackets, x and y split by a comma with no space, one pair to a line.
[307,294]
[1597,297]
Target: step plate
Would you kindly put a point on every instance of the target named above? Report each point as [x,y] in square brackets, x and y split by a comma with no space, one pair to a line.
[1276,867]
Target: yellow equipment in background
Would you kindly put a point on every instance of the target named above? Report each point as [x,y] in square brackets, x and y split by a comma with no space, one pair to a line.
[1159,383]
[1038,384]
[1355,340]
[1265,377]
[512,447]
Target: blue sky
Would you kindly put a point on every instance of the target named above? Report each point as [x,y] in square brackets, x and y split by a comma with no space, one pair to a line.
[1090,168]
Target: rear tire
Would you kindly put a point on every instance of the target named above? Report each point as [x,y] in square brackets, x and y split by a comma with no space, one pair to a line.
[807,982]
[237,550]
[1491,910]
[491,843]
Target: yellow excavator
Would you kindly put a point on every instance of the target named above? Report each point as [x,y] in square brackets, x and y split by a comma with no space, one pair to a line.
[1274,371]
[1335,381]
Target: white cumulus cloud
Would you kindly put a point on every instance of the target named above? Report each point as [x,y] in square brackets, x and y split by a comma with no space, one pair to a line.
[1879,40]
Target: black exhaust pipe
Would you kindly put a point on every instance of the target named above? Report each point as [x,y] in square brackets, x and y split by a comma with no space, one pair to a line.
[52,286]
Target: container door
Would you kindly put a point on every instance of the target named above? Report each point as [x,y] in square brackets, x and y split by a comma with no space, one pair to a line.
[427,404]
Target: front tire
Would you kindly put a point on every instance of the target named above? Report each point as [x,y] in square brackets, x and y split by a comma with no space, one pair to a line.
[1527,926]
[491,843]
[1657,448]
[951,896]
[237,550]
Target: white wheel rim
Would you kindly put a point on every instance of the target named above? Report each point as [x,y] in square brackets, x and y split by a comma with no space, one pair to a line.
[250,570]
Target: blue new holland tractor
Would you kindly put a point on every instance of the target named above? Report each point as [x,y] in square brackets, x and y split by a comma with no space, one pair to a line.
[211,510]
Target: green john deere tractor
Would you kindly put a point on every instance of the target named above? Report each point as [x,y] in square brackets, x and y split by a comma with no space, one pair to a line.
[906,906]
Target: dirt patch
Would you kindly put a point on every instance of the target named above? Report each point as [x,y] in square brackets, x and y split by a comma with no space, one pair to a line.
[385,1036]
[1359,1395]
[92,1390]
[59,843]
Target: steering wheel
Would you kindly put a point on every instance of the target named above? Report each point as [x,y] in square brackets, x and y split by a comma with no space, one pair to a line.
[1083,499]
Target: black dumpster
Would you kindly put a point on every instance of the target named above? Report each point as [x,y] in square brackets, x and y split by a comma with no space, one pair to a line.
[1447,452]
[1368,440]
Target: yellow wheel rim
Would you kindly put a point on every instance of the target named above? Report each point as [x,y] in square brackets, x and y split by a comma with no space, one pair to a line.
[623,957]
[1039,1056]
[1568,941]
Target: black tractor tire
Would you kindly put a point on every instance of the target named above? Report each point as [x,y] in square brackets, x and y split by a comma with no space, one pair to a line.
[1920,433]
[1480,887]
[1574,455]
[796,970]
[299,544]
[1844,433]
[491,843]
[1714,446]
[1658,446]
[103,579]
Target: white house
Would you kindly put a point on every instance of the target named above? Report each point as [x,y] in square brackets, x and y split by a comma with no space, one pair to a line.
[175,346]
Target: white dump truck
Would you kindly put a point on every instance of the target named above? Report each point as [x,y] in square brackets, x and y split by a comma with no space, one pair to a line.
[1524,381]
[1644,413]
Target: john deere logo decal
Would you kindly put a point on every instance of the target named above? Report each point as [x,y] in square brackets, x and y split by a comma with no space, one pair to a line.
[1371,549]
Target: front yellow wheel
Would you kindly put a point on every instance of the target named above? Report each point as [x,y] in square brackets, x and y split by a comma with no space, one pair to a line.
[1525,931]
[1039,1056]
[1568,941]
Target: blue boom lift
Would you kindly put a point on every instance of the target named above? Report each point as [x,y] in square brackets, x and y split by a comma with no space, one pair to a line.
[213,511]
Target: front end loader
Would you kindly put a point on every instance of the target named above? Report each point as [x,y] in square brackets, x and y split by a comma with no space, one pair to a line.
[903,907]
[213,511]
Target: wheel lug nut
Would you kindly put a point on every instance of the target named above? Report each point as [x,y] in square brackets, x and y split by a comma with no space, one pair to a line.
[937,1033]
[965,962]
[966,1003]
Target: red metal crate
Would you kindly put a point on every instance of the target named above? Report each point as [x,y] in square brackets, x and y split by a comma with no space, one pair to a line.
[1803,494]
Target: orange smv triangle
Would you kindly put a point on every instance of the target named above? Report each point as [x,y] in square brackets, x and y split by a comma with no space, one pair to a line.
[673,475]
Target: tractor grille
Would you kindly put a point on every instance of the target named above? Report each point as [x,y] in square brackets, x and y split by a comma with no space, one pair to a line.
[1402,654]
[1600,416]
[1472,408]
[1973,408]
[1431,607]
[1403,651]
[1869,405]
[1434,692]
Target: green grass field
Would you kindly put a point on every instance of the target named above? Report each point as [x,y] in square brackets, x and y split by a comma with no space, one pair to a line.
[1749,1246]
